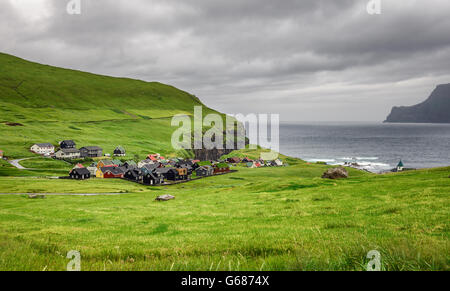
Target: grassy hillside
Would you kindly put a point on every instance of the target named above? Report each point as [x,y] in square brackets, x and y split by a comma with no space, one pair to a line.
[270,219]
[54,104]
[285,218]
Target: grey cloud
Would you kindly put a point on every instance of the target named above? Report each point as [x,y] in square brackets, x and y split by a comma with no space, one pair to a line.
[290,56]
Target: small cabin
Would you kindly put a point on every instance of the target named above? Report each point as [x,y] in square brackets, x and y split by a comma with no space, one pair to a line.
[110,172]
[182,173]
[234,160]
[118,163]
[135,175]
[78,166]
[80,174]
[105,163]
[152,179]
[67,144]
[221,168]
[92,169]
[400,166]
[169,174]
[130,164]
[119,152]
[189,168]
[204,171]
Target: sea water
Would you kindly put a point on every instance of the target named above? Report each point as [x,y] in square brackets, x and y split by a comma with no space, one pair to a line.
[376,147]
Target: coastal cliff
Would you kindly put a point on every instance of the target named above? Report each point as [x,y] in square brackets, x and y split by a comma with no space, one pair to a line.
[436,109]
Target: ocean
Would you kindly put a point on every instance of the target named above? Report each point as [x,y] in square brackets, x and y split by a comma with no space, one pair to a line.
[376,147]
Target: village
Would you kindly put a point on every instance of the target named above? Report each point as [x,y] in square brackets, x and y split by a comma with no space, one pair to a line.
[155,170]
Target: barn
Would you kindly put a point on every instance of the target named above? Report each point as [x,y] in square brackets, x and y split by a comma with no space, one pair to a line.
[80,174]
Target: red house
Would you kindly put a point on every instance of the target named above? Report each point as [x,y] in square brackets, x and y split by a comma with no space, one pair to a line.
[112,172]
[221,168]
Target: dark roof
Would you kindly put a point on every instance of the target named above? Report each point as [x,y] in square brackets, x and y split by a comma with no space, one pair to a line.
[400,164]
[107,162]
[119,149]
[81,171]
[150,167]
[135,172]
[68,142]
[44,145]
[151,175]
[165,170]
[185,166]
[92,148]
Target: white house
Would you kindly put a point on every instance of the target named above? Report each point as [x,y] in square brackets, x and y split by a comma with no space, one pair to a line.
[92,169]
[145,162]
[43,148]
[278,162]
[68,154]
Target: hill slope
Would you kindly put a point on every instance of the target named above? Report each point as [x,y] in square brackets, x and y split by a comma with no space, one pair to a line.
[54,104]
[434,110]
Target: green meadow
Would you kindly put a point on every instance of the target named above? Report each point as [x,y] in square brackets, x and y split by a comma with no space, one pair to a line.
[284,218]
[49,104]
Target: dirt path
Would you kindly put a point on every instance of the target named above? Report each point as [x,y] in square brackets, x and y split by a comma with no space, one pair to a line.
[16,163]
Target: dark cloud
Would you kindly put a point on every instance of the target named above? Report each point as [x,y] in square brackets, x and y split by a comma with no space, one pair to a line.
[308,60]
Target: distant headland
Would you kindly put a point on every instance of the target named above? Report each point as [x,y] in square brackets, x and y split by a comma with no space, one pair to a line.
[436,109]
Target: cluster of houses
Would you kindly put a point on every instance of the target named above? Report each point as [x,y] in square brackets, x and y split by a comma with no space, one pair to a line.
[255,163]
[155,170]
[68,150]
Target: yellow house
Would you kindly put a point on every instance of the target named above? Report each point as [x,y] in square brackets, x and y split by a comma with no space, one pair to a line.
[99,173]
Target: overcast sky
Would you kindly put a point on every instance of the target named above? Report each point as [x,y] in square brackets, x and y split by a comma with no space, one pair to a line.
[305,59]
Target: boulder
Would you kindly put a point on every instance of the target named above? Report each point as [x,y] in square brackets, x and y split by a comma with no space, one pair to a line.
[165,198]
[335,173]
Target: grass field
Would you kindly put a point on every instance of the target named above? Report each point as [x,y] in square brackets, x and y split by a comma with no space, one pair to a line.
[285,218]
[257,219]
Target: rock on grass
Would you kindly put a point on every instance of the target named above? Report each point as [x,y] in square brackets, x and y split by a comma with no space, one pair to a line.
[165,198]
[335,173]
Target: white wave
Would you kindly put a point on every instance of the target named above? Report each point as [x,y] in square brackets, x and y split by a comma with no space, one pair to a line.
[321,160]
[367,158]
[373,164]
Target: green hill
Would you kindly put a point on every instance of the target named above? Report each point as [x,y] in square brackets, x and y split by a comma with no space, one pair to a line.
[49,104]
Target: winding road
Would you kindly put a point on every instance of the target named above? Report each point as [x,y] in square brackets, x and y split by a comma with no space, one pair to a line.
[16,163]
